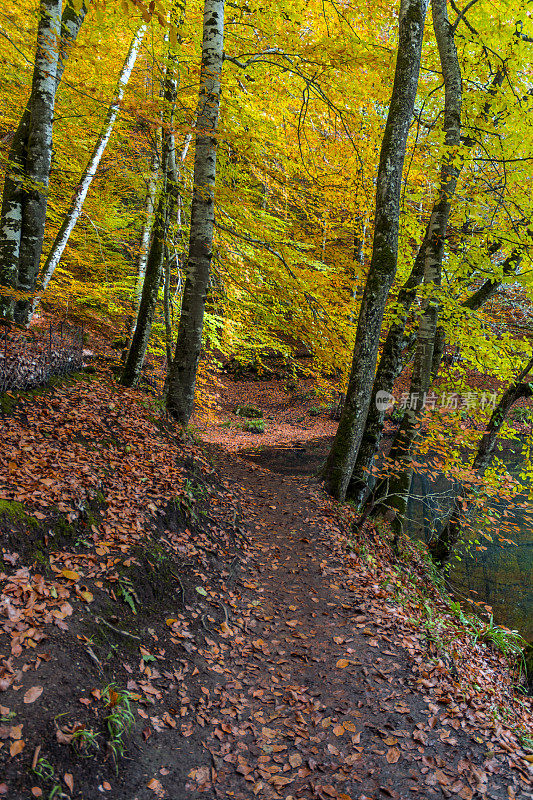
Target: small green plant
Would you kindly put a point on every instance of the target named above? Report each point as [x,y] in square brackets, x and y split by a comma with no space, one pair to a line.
[249,412]
[328,408]
[190,495]
[45,772]
[254,426]
[120,719]
[127,592]
[508,642]
[527,742]
[43,769]
[85,740]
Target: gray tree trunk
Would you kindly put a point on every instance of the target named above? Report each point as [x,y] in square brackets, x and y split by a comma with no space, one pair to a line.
[12,195]
[389,367]
[404,445]
[341,460]
[182,374]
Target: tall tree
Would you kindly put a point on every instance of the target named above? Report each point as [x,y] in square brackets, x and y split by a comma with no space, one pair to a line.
[404,445]
[183,370]
[24,205]
[384,260]
[166,206]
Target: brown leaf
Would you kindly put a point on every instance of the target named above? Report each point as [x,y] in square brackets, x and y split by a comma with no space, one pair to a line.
[342,663]
[32,694]
[69,780]
[295,760]
[393,755]
[17,747]
[338,730]
[36,792]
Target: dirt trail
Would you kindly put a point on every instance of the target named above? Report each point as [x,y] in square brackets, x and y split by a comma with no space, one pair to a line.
[320,701]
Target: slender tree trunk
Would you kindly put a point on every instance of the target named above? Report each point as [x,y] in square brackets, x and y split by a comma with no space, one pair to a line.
[390,366]
[404,445]
[80,193]
[182,375]
[149,208]
[443,548]
[152,281]
[12,195]
[341,460]
[163,216]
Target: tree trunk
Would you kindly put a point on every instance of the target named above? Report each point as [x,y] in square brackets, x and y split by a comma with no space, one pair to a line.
[341,460]
[80,193]
[390,366]
[449,536]
[152,281]
[182,375]
[12,195]
[397,486]
[164,213]
[144,246]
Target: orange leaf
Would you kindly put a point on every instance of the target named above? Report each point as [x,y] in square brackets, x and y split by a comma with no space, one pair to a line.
[17,747]
[342,663]
[70,574]
[69,780]
[393,755]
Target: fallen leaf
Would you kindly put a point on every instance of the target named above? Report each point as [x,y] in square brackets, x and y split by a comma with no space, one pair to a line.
[342,663]
[17,747]
[32,694]
[338,730]
[70,574]
[393,755]
[36,792]
[69,780]
[295,760]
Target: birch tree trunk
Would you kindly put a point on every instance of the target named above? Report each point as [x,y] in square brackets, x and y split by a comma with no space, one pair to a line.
[12,195]
[405,442]
[341,460]
[80,193]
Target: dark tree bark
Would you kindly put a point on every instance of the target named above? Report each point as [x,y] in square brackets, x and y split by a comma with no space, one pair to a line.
[405,443]
[184,367]
[164,214]
[383,265]
[13,196]
[390,366]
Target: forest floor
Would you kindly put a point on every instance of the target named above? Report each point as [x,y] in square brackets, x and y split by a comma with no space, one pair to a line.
[198,620]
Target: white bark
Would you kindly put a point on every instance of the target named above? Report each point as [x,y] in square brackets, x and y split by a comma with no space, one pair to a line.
[80,193]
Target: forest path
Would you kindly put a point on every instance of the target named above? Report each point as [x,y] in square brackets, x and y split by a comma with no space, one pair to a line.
[321,699]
